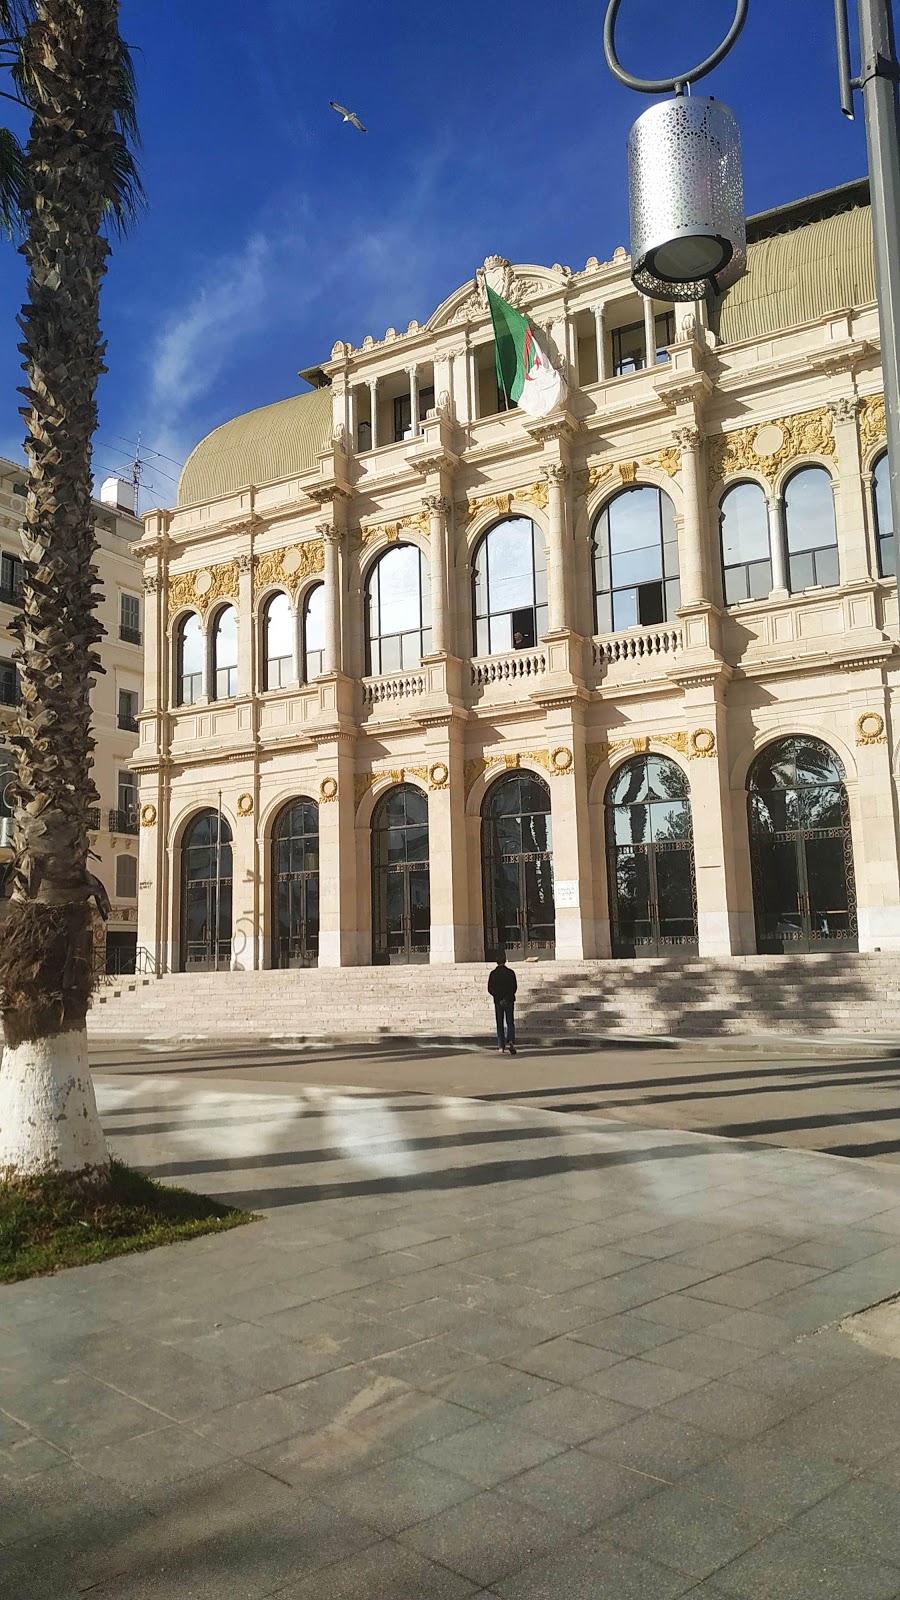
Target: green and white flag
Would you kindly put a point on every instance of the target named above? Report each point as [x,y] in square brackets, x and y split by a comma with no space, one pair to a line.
[525,372]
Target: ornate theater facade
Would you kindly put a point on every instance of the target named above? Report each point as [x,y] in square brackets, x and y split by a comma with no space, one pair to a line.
[425,678]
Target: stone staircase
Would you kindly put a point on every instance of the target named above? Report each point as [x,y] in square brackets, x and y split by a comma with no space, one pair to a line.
[802,995]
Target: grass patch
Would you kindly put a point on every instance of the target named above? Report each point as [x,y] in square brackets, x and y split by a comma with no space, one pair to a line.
[51,1222]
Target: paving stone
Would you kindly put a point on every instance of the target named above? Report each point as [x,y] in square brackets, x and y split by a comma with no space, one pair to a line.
[862,1513]
[756,1329]
[75,1409]
[754,1284]
[626,1334]
[488,1536]
[641,1383]
[398,1494]
[582,1490]
[488,1336]
[241,1429]
[683,1311]
[591,1569]
[570,1416]
[495,1388]
[788,1567]
[722,1407]
[859,1425]
[685,1531]
[164,1456]
[427,1363]
[658,1445]
[490,1452]
[775,1483]
[29,1456]
[386,1569]
[565,1360]
[701,1353]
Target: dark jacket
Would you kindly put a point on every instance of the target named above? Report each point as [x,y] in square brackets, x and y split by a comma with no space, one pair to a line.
[502,984]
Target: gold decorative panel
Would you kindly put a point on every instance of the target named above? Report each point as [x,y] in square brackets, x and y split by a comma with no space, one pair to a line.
[668,460]
[766,447]
[290,567]
[534,495]
[392,530]
[202,589]
[870,728]
[872,425]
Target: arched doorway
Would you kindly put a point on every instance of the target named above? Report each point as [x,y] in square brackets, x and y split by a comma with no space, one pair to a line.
[517,869]
[801,853]
[650,857]
[295,885]
[401,894]
[206,894]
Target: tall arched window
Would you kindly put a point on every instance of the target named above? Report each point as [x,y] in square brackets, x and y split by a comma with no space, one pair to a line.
[225,654]
[206,882]
[278,642]
[650,859]
[517,868]
[295,884]
[190,659]
[636,560]
[126,877]
[314,633]
[744,533]
[510,587]
[810,530]
[401,895]
[885,537]
[399,611]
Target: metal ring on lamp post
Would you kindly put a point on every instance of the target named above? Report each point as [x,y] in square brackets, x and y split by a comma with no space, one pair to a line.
[664,85]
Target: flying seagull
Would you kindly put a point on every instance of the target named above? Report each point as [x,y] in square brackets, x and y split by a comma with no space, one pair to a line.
[348,116]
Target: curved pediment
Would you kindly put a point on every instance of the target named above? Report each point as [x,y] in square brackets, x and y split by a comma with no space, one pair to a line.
[518,285]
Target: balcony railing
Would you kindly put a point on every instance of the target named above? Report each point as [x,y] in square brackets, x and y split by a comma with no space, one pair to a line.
[519,668]
[130,635]
[395,689]
[662,641]
[93,819]
[123,821]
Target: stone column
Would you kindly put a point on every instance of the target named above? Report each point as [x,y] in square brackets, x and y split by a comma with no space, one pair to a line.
[246,627]
[448,857]
[413,372]
[331,539]
[714,822]
[650,331]
[849,508]
[557,475]
[777,547]
[438,511]
[340,943]
[602,373]
[373,409]
[692,553]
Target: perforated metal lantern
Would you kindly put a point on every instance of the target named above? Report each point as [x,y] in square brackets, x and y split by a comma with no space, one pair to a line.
[686,193]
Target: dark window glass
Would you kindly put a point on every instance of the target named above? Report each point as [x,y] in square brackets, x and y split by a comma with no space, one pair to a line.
[665,334]
[810,530]
[9,684]
[885,537]
[314,633]
[190,659]
[278,633]
[128,709]
[130,618]
[509,587]
[126,877]
[295,870]
[128,795]
[225,654]
[12,576]
[649,838]
[744,534]
[628,349]
[206,883]
[635,561]
[399,611]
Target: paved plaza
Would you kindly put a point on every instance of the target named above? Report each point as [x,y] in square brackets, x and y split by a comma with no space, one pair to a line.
[472,1346]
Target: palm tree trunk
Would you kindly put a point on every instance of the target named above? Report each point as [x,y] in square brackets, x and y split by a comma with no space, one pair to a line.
[48,1115]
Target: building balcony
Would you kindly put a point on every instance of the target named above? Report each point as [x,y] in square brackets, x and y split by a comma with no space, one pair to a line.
[123,821]
[507,677]
[639,653]
[93,819]
[395,689]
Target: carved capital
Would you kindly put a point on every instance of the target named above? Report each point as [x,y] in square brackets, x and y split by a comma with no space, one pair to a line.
[557,472]
[688,438]
[436,505]
[844,409]
[327,532]
[245,562]
[151,583]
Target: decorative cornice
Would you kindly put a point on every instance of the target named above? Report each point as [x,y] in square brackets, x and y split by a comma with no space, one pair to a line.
[289,567]
[766,447]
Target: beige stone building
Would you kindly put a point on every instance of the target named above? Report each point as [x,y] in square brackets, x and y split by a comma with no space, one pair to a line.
[618,682]
[116,697]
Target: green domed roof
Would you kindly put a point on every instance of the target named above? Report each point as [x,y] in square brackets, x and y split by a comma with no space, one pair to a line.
[261,447]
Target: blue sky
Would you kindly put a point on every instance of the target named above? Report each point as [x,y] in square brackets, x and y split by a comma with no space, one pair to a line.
[272,229]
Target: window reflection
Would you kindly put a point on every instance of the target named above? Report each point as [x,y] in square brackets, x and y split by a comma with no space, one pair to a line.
[278,633]
[744,534]
[314,633]
[225,654]
[190,660]
[810,530]
[510,588]
[399,611]
[635,561]
[885,538]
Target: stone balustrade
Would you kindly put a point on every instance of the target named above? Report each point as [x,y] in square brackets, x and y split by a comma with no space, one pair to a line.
[518,667]
[661,641]
[396,687]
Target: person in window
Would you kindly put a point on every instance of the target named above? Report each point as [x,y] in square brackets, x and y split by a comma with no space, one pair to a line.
[502,986]
[518,641]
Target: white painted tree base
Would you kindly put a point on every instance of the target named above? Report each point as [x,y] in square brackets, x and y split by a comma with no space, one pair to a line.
[48,1113]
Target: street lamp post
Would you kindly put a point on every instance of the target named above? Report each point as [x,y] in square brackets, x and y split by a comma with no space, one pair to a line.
[659,245]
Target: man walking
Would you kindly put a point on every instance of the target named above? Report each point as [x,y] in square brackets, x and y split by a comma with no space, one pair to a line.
[502,986]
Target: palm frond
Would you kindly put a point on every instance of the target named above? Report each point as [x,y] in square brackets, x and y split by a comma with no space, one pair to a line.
[12,179]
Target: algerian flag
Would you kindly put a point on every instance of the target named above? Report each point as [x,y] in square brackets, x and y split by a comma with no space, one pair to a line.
[525,372]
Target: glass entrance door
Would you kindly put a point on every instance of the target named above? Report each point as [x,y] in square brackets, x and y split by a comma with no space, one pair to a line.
[295,878]
[804,892]
[206,895]
[650,853]
[401,895]
[517,869]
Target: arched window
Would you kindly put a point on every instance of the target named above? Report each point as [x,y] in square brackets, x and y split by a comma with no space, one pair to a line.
[399,611]
[278,642]
[190,659]
[314,633]
[225,654]
[206,883]
[126,877]
[885,538]
[650,859]
[295,884]
[810,530]
[517,868]
[636,560]
[801,852]
[744,533]
[401,894]
[510,587]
